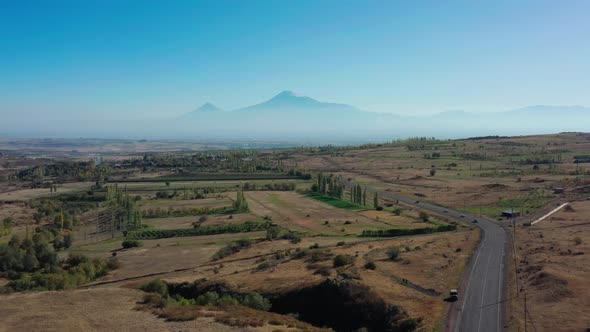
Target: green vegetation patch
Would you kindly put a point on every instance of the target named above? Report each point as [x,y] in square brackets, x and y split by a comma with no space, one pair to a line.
[336,202]
[150,234]
[403,232]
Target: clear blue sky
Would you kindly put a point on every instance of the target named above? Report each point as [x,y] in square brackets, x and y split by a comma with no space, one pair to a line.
[59,58]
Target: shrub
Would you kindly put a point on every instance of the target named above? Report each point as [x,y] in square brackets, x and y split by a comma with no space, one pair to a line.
[401,232]
[341,243]
[342,260]
[424,216]
[578,240]
[208,298]
[379,208]
[131,244]
[256,301]
[263,266]
[393,253]
[227,300]
[154,300]
[370,266]
[300,254]
[324,271]
[247,226]
[397,211]
[409,324]
[314,246]
[156,286]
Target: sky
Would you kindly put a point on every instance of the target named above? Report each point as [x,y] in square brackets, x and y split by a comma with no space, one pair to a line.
[94,59]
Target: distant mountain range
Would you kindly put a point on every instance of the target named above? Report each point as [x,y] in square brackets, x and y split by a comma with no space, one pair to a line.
[286,101]
[291,115]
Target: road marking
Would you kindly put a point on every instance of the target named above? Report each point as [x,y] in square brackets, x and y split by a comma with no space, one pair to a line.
[480,249]
[485,278]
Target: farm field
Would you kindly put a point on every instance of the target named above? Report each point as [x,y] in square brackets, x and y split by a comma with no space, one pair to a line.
[187,203]
[432,262]
[148,187]
[472,175]
[304,214]
[26,194]
[274,239]
[162,255]
[554,267]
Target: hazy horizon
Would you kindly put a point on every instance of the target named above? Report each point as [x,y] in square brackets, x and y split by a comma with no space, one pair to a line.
[102,69]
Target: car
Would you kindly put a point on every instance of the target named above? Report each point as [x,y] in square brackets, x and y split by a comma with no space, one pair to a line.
[417,202]
[474,221]
[462,216]
[453,295]
[446,211]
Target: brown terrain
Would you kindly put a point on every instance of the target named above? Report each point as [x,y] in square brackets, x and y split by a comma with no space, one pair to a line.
[554,270]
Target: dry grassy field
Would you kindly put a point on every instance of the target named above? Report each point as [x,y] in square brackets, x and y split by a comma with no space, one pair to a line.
[470,174]
[26,194]
[482,176]
[297,212]
[554,270]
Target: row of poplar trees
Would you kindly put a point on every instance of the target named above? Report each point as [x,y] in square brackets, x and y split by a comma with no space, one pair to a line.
[127,213]
[327,185]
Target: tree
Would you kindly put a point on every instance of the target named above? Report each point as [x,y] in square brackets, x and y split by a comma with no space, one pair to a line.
[376,200]
[365,197]
[433,171]
[68,239]
[240,204]
[58,243]
[393,253]
[30,262]
[424,216]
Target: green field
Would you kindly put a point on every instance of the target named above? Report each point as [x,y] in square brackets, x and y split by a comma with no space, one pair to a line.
[336,202]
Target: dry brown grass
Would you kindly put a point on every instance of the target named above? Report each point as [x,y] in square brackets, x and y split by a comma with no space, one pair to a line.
[407,172]
[553,272]
[436,264]
[235,316]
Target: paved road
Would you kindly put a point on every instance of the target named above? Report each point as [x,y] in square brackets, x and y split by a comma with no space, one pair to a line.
[480,307]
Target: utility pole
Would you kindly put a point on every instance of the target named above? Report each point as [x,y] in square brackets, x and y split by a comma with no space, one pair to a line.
[514,251]
[525,323]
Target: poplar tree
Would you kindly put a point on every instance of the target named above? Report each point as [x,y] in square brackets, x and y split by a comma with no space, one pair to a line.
[376,200]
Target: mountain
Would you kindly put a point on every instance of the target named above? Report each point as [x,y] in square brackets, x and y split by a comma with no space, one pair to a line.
[286,114]
[290,101]
[292,116]
[205,108]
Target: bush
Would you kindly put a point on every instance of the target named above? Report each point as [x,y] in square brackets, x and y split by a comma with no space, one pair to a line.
[300,254]
[256,301]
[370,266]
[379,208]
[156,286]
[393,253]
[424,216]
[131,244]
[154,300]
[578,240]
[263,266]
[402,232]
[397,211]
[342,260]
[314,246]
[208,298]
[232,248]
[324,271]
[247,226]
